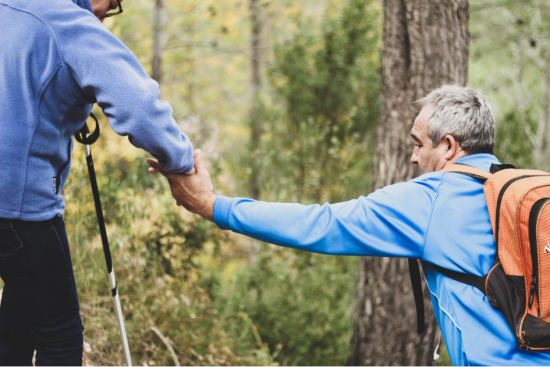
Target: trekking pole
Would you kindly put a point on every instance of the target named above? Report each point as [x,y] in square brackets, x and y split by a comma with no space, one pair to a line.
[84,137]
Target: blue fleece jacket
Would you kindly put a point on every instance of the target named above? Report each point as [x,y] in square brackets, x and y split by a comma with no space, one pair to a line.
[56,60]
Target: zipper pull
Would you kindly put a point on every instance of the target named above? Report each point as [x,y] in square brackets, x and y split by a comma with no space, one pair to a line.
[532,292]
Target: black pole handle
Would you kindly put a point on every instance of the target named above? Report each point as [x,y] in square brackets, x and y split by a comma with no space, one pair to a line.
[83,135]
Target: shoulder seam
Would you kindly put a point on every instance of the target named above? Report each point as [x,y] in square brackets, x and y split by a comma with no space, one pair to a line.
[58,48]
[431,215]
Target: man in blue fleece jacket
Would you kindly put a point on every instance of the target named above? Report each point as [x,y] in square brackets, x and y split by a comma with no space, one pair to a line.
[56,61]
[440,218]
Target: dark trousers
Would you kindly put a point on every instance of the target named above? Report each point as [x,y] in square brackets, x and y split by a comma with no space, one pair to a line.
[39,309]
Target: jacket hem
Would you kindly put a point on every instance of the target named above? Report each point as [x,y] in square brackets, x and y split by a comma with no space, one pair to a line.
[31,217]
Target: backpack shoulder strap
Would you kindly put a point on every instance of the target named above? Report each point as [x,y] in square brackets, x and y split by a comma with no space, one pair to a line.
[470,171]
[473,280]
[416,282]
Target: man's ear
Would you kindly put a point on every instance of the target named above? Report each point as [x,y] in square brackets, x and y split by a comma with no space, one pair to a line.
[452,147]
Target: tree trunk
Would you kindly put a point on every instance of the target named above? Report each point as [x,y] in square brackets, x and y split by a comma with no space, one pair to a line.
[159,40]
[425,46]
[256,126]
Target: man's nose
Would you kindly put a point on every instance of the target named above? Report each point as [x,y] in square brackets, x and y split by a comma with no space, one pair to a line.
[414,157]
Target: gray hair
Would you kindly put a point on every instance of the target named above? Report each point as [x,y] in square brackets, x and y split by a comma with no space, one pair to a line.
[463,113]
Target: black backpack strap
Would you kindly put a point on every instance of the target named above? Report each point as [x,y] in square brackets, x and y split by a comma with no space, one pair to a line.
[499,167]
[473,280]
[416,282]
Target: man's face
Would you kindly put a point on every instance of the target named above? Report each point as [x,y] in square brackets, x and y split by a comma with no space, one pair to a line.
[101,7]
[428,157]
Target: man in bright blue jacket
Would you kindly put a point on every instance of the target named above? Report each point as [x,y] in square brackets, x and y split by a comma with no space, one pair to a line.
[440,218]
[56,61]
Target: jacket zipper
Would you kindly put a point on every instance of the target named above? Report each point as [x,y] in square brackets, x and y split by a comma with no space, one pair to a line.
[533,219]
[63,167]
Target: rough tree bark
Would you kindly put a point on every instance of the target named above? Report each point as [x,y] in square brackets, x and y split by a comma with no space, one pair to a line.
[425,46]
[159,40]
[256,126]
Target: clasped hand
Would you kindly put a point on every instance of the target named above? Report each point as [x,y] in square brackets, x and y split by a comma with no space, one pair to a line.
[194,191]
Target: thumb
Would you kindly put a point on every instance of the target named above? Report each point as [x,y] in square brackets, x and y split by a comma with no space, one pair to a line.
[156,166]
[199,164]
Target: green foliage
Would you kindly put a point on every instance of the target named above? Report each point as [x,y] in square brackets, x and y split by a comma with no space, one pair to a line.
[509,62]
[329,83]
[300,303]
[512,142]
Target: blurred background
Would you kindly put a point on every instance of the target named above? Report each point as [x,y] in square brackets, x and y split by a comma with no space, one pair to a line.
[283,97]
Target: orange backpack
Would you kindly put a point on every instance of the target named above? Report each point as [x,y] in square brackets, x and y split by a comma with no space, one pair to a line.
[518,285]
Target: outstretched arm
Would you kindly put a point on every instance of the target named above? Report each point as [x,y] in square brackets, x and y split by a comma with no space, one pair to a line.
[390,222]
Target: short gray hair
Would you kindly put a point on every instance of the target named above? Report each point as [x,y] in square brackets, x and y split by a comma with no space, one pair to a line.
[465,114]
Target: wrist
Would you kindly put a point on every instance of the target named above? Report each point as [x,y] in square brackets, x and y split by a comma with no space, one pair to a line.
[207,211]
[191,172]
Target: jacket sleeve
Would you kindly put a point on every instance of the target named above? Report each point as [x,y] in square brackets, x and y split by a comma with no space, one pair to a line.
[390,222]
[106,70]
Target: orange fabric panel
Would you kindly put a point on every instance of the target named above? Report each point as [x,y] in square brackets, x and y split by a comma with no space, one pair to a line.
[510,254]
[498,180]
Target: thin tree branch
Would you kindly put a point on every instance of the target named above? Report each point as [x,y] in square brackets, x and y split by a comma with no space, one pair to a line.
[168,344]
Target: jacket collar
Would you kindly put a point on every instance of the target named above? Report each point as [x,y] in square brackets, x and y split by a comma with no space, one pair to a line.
[84,4]
[481,160]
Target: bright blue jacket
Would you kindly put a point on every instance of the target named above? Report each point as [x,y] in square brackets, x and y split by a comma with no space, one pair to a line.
[56,60]
[439,218]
